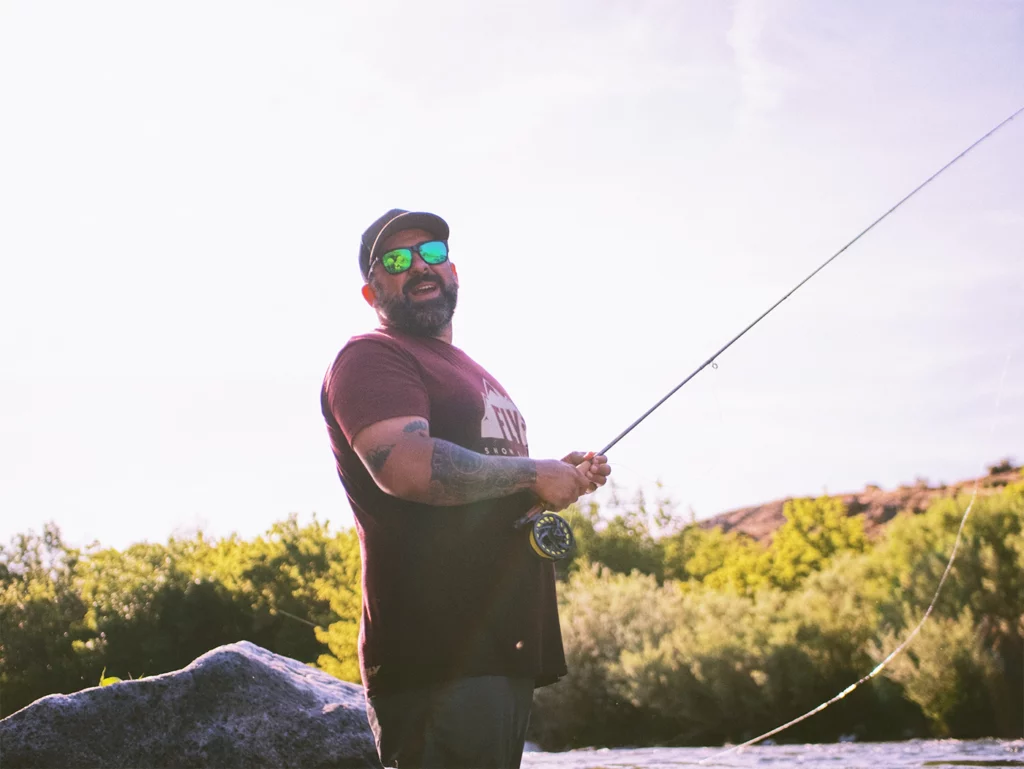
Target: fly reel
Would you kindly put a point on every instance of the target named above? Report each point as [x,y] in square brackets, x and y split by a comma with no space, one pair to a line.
[551,537]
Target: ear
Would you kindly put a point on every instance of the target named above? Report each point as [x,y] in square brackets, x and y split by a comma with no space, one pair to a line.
[455,272]
[369,295]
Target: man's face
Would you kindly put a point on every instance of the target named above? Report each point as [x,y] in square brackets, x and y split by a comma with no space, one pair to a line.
[422,299]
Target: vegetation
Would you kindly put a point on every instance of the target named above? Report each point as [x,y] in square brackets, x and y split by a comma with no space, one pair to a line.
[68,616]
[675,634]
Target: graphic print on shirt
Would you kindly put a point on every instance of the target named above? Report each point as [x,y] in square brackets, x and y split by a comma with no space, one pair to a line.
[503,428]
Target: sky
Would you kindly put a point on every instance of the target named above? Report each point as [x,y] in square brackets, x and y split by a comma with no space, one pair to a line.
[628,184]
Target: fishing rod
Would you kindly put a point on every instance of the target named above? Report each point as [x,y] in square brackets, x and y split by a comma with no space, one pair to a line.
[551,536]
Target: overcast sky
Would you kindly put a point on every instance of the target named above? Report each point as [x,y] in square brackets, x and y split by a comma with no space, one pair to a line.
[183,185]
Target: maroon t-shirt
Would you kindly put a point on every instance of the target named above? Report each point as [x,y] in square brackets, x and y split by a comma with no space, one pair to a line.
[452,591]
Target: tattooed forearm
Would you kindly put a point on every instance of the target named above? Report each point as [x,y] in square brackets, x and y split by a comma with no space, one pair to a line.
[378,456]
[459,476]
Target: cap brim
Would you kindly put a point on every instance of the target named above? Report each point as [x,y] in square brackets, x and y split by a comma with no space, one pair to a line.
[411,220]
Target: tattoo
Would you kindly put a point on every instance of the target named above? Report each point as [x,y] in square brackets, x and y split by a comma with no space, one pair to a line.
[459,476]
[378,456]
[419,426]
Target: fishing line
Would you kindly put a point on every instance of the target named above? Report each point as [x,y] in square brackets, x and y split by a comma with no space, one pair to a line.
[550,536]
[293,616]
[881,665]
[711,361]
[906,642]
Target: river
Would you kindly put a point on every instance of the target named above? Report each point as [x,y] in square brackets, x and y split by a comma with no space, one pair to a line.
[846,755]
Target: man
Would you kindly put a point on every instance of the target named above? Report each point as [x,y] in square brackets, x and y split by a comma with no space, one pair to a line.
[459,616]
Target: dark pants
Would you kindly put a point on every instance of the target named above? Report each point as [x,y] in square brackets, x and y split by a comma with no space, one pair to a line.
[471,722]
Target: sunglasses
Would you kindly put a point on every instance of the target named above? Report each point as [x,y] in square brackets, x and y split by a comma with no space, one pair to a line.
[398,260]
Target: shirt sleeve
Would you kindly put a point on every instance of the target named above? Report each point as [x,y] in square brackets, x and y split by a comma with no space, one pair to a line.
[372,381]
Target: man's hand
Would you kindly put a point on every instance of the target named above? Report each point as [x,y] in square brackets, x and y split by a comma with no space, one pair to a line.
[559,483]
[596,469]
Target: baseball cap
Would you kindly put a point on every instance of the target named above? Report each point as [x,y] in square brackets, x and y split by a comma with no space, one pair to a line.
[393,221]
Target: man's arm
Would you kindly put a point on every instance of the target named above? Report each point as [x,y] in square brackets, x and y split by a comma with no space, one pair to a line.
[406,462]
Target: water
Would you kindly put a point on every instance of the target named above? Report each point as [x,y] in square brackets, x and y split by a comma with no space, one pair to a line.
[848,755]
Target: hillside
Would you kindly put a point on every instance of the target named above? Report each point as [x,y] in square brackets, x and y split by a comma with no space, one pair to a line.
[876,505]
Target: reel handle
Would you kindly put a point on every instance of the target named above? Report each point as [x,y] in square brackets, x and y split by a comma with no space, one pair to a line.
[528,517]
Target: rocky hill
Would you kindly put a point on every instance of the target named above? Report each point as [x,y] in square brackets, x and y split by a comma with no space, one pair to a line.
[877,505]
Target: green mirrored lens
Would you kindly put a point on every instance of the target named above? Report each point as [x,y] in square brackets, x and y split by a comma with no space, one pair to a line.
[434,251]
[398,260]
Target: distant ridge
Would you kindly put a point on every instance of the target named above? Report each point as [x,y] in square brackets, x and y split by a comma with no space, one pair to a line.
[877,505]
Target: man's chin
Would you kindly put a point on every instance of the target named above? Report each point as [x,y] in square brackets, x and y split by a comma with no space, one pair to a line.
[423,321]
[423,317]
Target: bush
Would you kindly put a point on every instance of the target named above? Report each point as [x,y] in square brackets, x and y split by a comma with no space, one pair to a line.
[41,619]
[674,635]
[66,615]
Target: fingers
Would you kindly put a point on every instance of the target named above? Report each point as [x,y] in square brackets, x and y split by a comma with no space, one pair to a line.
[594,468]
[591,472]
[583,481]
[590,477]
[598,471]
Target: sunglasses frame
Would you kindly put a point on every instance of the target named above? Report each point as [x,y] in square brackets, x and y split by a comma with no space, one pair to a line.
[413,249]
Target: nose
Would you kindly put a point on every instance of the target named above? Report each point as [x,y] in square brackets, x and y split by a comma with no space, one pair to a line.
[418,265]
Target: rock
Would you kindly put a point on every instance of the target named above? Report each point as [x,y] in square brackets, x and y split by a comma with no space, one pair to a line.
[236,706]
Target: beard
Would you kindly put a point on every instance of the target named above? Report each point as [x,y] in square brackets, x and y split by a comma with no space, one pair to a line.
[419,318]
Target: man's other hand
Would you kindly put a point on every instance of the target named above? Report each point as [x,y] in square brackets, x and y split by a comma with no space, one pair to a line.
[596,469]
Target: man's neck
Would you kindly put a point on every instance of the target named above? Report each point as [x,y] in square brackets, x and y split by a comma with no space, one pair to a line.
[444,335]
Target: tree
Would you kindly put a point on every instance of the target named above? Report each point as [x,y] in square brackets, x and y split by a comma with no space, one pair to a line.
[41,618]
[343,590]
[728,562]
[950,674]
[814,532]
[630,539]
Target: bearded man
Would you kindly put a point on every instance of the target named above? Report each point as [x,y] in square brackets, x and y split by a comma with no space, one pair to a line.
[459,616]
